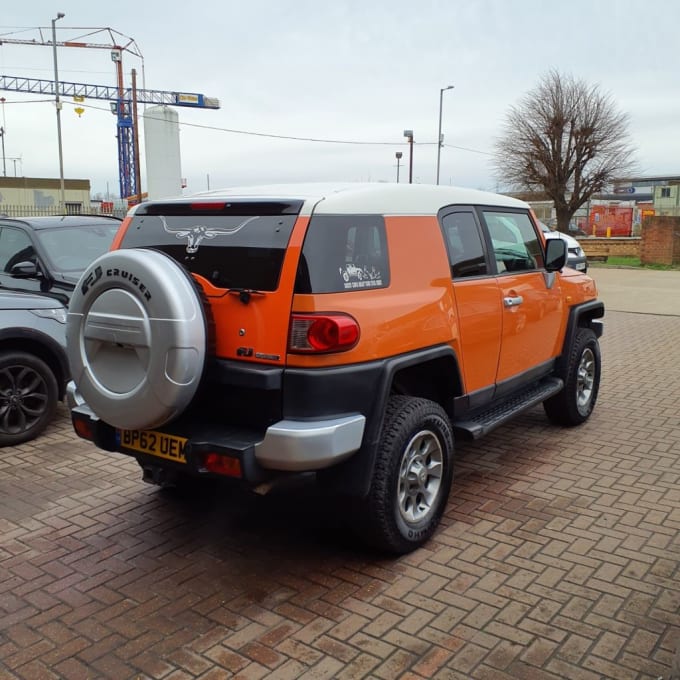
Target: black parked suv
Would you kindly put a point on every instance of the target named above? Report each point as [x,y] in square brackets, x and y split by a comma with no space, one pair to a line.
[47,255]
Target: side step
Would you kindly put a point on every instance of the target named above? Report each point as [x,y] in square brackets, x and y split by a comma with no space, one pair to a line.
[477,424]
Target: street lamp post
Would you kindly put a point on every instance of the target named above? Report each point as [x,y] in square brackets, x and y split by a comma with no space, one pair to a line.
[60,15]
[3,132]
[409,135]
[439,137]
[398,154]
[4,163]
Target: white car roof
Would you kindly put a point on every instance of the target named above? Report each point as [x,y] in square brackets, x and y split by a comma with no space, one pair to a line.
[549,233]
[368,198]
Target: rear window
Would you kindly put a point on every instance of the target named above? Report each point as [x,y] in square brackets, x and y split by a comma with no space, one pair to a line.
[73,248]
[232,245]
[343,253]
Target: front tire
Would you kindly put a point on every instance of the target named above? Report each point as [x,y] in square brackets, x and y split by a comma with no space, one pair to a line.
[412,476]
[574,404]
[28,397]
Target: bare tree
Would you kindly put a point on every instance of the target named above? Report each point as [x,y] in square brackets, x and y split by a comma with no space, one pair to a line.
[567,139]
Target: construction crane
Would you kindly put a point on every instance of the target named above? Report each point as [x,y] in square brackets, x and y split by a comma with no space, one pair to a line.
[144,96]
[123,100]
[121,103]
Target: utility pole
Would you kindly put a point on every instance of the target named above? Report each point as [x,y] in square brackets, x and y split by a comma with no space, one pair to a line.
[62,201]
[440,139]
[2,132]
[135,138]
[409,135]
[4,163]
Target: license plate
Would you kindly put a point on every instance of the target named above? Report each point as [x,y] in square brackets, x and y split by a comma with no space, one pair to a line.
[581,265]
[154,443]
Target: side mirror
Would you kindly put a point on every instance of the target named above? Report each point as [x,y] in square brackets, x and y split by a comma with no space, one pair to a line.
[555,254]
[24,270]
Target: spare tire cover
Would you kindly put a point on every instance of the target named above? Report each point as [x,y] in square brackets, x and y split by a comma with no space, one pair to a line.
[136,338]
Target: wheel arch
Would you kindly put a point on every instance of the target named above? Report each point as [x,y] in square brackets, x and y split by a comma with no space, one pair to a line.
[41,346]
[433,374]
[585,315]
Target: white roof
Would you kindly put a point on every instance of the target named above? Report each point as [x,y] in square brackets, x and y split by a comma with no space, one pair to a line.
[369,198]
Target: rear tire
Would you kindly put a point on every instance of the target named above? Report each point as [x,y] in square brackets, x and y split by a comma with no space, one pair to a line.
[574,404]
[412,476]
[28,397]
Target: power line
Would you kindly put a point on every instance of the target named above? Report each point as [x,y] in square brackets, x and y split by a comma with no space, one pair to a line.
[465,148]
[271,135]
[326,141]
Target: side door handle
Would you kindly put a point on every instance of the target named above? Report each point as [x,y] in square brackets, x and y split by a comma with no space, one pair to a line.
[513,301]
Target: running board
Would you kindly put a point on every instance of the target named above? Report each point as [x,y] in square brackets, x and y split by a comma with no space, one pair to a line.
[482,422]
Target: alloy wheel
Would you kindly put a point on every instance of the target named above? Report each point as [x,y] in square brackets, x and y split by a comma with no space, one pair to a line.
[420,476]
[24,398]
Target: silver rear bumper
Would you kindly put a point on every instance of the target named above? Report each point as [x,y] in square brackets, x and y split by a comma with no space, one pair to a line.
[295,445]
[289,445]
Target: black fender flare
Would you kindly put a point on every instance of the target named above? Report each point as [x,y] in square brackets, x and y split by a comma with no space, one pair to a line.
[353,477]
[584,315]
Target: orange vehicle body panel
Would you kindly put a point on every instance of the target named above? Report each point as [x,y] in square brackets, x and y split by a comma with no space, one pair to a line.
[480,316]
[417,310]
[262,324]
[118,238]
[531,329]
[409,314]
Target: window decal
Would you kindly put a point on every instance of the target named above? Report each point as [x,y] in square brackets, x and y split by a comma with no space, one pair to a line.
[360,277]
[198,232]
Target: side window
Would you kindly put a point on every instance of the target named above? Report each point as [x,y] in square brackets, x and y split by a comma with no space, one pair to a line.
[514,241]
[464,244]
[15,247]
[343,252]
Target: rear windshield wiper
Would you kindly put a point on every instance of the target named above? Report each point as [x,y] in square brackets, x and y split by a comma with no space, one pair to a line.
[244,294]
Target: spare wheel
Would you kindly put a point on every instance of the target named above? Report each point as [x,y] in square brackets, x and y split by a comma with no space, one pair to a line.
[136,338]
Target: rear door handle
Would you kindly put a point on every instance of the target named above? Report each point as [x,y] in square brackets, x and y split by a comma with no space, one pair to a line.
[513,301]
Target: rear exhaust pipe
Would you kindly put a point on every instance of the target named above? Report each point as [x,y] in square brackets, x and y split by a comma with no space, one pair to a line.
[154,475]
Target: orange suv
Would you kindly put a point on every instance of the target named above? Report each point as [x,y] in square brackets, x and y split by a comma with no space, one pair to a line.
[347,330]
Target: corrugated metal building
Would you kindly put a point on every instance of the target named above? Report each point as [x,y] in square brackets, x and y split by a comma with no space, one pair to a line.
[41,195]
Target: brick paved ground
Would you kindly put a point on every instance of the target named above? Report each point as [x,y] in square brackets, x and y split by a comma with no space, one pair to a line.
[557,558]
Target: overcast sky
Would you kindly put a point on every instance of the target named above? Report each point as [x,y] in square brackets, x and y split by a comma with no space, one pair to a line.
[348,70]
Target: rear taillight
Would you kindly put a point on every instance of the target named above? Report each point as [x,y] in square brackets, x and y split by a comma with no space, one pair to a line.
[222,465]
[83,426]
[317,333]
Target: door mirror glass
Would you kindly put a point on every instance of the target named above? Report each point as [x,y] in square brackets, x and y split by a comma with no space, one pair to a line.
[555,254]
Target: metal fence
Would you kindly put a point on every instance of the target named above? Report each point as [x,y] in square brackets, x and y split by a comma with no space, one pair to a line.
[35,210]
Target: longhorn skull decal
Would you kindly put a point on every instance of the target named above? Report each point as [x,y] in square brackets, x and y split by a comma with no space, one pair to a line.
[197,233]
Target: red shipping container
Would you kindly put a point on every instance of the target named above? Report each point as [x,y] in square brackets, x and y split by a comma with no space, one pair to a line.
[614,218]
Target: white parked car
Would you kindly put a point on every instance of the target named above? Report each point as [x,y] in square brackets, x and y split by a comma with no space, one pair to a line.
[576,258]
